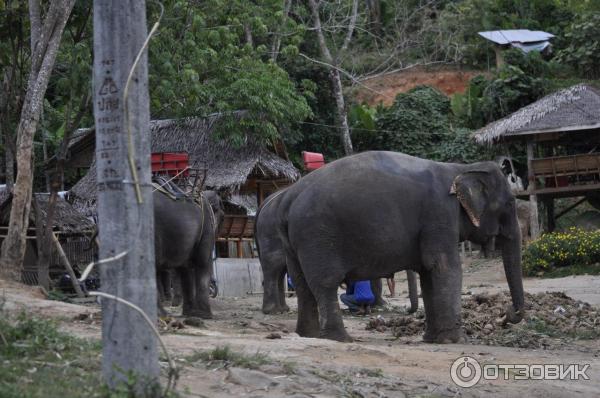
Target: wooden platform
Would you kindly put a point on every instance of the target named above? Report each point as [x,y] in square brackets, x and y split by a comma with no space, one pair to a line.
[237,229]
[564,176]
[559,192]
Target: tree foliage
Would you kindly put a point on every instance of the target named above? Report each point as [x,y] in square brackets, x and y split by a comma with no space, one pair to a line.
[523,79]
[214,57]
[582,52]
[419,123]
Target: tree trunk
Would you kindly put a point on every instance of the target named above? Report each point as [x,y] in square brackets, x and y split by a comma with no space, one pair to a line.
[5,135]
[43,57]
[342,115]
[125,223]
[374,12]
[336,81]
[9,163]
[248,34]
[287,5]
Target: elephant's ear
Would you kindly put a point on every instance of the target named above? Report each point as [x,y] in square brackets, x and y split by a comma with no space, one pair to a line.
[471,191]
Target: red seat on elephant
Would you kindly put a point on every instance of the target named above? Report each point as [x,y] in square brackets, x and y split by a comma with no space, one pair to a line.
[312,160]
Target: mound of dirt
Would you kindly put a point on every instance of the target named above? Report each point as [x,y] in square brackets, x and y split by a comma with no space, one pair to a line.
[552,319]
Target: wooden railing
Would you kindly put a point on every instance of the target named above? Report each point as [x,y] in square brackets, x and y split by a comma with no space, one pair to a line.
[566,165]
[566,172]
[236,227]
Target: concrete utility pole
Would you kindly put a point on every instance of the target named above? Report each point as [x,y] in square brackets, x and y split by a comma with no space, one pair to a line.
[125,222]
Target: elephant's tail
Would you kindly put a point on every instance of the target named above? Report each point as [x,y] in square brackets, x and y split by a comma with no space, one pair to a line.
[264,205]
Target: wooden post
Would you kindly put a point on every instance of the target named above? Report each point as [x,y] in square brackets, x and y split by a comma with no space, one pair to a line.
[43,260]
[65,262]
[125,223]
[551,220]
[534,226]
[240,249]
[499,56]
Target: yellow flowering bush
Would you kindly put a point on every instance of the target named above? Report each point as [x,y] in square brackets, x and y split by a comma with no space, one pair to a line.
[562,249]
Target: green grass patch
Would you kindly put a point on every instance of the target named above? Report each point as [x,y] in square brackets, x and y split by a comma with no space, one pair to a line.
[37,360]
[229,357]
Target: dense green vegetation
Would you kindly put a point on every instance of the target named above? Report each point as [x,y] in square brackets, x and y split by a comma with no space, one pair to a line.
[222,56]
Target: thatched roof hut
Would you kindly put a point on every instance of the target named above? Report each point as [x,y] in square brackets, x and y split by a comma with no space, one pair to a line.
[66,218]
[576,108]
[228,166]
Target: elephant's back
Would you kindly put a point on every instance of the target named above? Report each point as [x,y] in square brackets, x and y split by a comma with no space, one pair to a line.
[178,226]
[365,206]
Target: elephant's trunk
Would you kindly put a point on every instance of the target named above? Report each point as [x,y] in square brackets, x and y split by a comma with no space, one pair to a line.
[511,256]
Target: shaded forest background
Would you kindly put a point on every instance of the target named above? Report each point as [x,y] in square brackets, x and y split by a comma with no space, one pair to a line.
[264,56]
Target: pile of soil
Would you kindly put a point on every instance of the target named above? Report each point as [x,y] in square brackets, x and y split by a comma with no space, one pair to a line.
[552,318]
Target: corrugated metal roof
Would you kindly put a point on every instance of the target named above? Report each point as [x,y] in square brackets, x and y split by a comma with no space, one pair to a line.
[516,36]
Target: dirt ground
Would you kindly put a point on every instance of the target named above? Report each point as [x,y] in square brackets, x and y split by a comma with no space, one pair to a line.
[377,364]
[384,89]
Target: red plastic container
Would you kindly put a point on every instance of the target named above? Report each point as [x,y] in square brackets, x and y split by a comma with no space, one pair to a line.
[170,163]
[312,160]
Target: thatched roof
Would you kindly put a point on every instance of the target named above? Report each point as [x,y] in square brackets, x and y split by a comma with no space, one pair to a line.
[65,219]
[574,108]
[228,166]
[83,195]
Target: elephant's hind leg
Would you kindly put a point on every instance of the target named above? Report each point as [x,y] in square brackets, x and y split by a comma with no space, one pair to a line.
[270,289]
[308,313]
[202,304]
[324,288]
[332,325]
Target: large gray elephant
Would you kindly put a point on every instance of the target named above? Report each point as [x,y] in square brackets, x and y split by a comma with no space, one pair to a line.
[274,269]
[369,215]
[184,238]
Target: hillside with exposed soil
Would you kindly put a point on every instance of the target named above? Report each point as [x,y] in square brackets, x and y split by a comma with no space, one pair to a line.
[383,89]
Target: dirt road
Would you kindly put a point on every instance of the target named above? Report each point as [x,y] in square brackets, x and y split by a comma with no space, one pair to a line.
[375,365]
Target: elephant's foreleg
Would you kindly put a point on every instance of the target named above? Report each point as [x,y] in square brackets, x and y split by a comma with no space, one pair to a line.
[441,282]
[413,293]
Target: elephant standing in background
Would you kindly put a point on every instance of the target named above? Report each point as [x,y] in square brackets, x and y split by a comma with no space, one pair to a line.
[184,238]
[369,215]
[272,262]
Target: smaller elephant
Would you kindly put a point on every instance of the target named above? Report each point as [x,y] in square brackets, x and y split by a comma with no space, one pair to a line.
[184,237]
[272,262]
